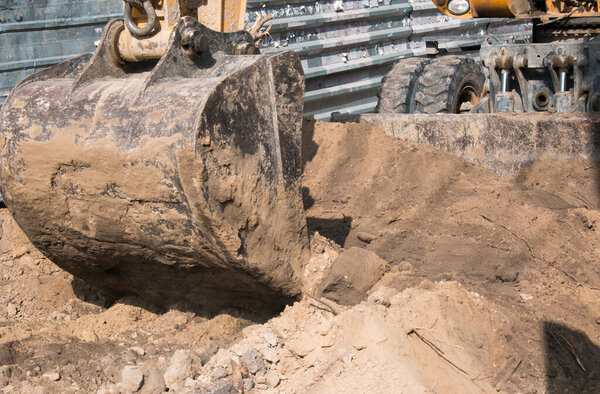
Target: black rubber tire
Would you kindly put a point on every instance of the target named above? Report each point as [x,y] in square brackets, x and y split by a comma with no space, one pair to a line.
[444,81]
[397,93]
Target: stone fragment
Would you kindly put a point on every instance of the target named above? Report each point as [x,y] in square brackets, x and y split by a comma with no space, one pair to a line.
[252,329]
[272,378]
[260,379]
[180,368]
[271,339]
[154,382]
[132,378]
[352,274]
[207,351]
[238,371]
[526,296]
[54,376]
[253,361]
[15,254]
[270,354]
[190,383]
[248,384]
[379,298]
[138,350]
[240,348]
[11,310]
[301,346]
[507,273]
[221,358]
[325,327]
[226,388]
[219,373]
[365,237]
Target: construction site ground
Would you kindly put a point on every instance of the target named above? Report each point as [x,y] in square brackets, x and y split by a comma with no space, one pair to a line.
[491,285]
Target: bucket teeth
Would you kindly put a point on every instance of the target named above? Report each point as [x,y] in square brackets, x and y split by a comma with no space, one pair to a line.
[178,180]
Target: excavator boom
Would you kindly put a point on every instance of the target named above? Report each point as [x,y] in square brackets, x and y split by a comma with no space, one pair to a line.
[523,9]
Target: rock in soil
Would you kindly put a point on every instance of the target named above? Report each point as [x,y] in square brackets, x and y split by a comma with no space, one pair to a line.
[154,382]
[132,378]
[180,368]
[352,274]
[253,361]
[379,298]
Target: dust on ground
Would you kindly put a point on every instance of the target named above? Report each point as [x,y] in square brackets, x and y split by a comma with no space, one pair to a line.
[490,285]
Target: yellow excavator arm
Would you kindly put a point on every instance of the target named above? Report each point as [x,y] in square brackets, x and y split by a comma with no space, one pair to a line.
[544,10]
[150,22]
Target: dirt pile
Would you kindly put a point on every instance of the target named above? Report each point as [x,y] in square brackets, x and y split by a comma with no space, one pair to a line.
[490,284]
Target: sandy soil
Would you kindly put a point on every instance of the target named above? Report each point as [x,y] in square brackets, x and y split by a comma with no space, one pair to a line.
[491,285]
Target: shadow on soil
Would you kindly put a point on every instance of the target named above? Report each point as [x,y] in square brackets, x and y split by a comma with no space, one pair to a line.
[93,295]
[572,360]
[309,146]
[336,229]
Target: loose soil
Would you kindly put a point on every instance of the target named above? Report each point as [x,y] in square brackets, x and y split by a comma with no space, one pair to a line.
[491,285]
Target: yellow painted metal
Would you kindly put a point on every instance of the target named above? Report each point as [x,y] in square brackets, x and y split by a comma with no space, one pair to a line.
[488,8]
[133,49]
[233,15]
[222,15]
[521,9]
[556,9]
[219,15]
[478,9]
[210,14]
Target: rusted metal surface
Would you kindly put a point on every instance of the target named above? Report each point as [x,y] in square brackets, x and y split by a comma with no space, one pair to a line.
[499,142]
[144,39]
[221,15]
[559,76]
[147,35]
[179,181]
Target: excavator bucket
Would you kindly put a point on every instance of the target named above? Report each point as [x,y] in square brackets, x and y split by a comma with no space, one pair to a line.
[175,180]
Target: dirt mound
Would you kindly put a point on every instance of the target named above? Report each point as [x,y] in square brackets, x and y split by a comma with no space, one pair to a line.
[528,243]
[491,284]
[445,217]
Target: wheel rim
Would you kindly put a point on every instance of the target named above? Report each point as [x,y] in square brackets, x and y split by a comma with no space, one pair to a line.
[467,99]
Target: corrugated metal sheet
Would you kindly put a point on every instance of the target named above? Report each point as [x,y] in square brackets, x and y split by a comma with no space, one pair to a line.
[37,34]
[345,46]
